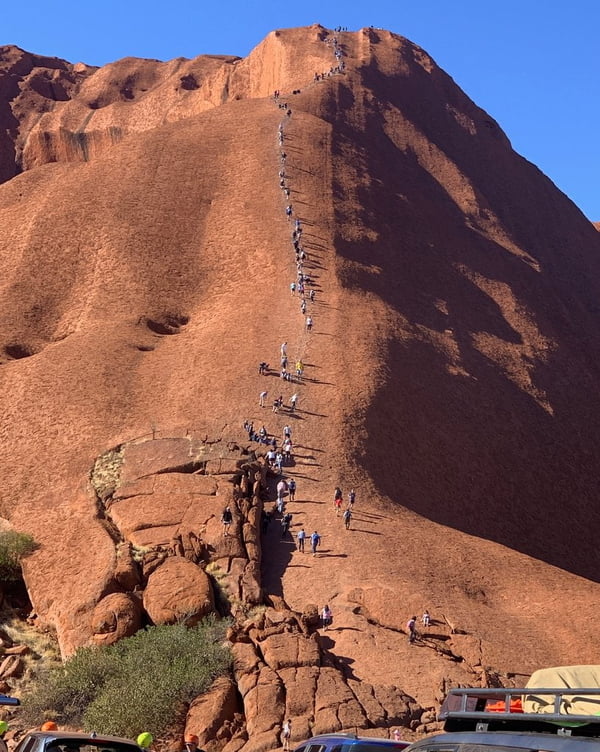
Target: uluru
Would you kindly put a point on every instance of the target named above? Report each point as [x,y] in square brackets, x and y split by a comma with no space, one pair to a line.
[334,207]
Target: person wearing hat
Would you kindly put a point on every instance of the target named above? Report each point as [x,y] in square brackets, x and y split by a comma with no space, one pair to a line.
[49,726]
[190,743]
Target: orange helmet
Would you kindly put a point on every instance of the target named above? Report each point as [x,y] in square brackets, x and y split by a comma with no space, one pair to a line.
[191,739]
[49,726]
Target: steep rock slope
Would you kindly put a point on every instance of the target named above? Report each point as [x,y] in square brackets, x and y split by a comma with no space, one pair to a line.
[451,373]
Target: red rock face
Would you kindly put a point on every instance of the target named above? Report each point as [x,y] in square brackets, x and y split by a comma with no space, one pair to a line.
[451,373]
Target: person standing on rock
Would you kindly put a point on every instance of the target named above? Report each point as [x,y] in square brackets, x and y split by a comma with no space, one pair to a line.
[301,536]
[226,519]
[315,540]
[286,733]
[261,398]
[283,349]
[347,516]
[309,323]
[411,628]
[326,618]
[293,402]
[351,499]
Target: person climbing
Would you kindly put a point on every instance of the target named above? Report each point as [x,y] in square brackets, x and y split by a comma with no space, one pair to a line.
[315,540]
[311,295]
[282,487]
[283,349]
[309,323]
[286,733]
[347,517]
[261,398]
[426,619]
[326,618]
[287,432]
[301,536]
[294,401]
[292,489]
[337,495]
[226,519]
[286,521]
[265,520]
[263,367]
[288,211]
[293,288]
[303,307]
[411,628]
[351,498]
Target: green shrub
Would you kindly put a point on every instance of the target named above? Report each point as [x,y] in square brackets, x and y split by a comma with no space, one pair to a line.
[13,547]
[142,683]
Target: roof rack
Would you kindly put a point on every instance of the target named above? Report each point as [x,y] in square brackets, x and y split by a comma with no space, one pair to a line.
[464,709]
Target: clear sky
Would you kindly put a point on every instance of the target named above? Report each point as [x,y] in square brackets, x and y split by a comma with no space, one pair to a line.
[534,65]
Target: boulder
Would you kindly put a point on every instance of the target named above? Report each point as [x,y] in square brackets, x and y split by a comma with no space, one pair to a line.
[336,707]
[178,591]
[399,707]
[267,694]
[148,457]
[11,667]
[116,616]
[209,713]
[288,650]
[365,694]
[127,573]
[251,588]
[300,687]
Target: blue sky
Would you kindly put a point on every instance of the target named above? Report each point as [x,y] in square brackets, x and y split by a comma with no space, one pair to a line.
[534,65]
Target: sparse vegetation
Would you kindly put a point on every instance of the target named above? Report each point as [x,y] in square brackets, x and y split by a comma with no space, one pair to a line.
[13,547]
[106,472]
[140,684]
[138,552]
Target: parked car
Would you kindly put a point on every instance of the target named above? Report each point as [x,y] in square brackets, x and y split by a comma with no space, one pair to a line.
[350,743]
[501,720]
[60,741]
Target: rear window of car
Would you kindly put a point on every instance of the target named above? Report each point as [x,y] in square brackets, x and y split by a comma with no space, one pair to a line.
[85,745]
[474,748]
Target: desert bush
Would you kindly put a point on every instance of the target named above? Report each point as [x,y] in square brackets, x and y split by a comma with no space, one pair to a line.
[142,683]
[13,547]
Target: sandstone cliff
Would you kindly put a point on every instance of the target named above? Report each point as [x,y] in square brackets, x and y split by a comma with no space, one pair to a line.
[450,377]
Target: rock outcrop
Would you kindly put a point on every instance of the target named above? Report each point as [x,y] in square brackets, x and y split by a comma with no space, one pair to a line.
[448,375]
